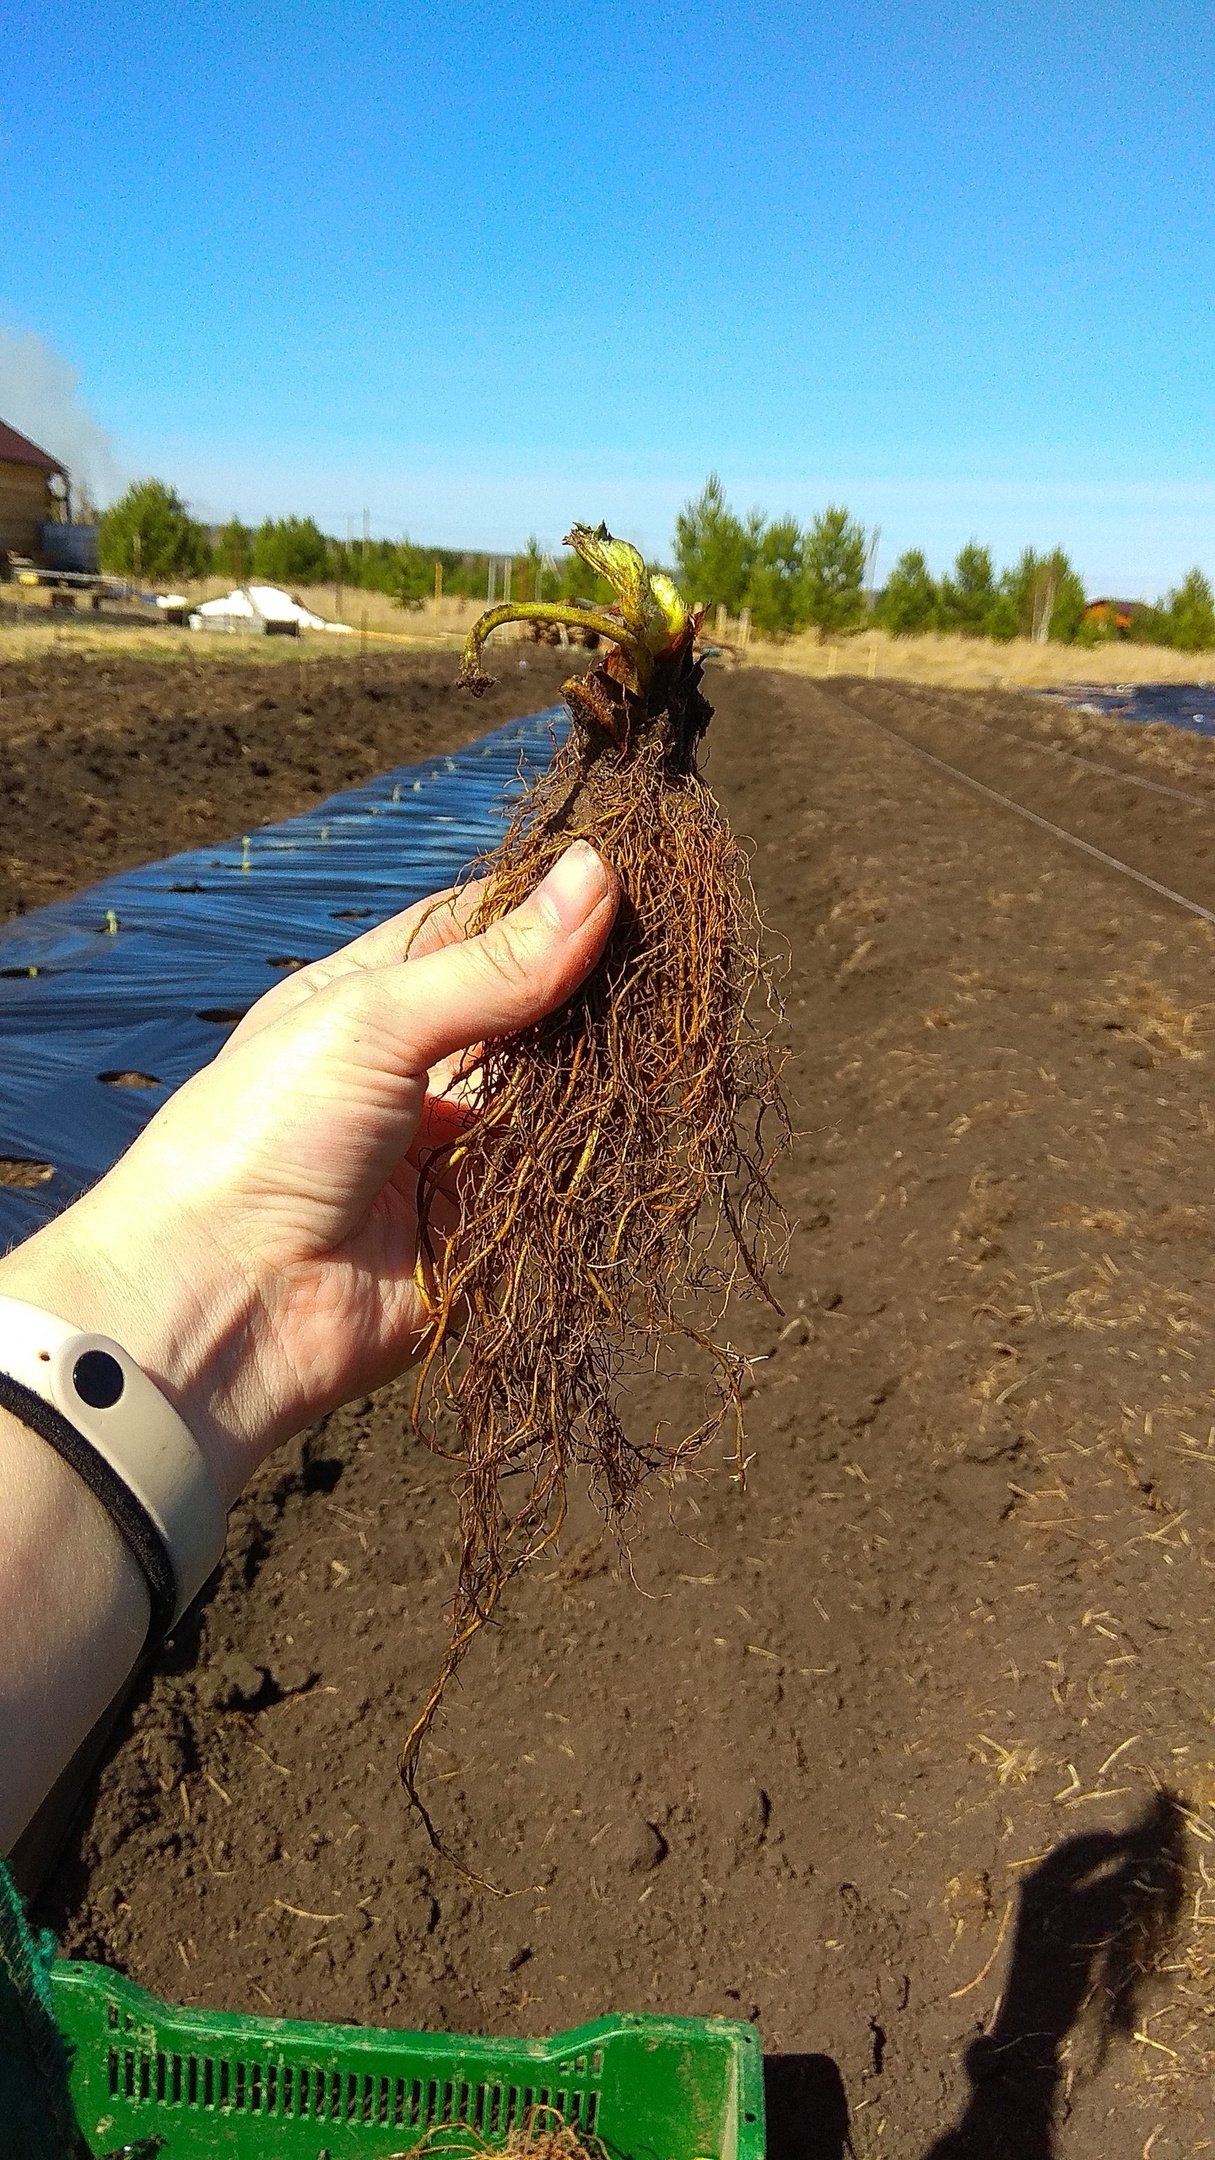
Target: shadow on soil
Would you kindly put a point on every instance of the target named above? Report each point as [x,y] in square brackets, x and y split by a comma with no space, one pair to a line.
[805,2108]
[1094,1921]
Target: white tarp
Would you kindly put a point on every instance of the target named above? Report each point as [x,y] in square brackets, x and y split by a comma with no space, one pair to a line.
[257,604]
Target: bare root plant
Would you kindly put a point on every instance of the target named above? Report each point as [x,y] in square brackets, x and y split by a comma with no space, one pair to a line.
[543,2134]
[613,1160]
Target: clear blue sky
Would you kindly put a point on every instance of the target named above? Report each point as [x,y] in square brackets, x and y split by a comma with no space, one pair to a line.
[483,269]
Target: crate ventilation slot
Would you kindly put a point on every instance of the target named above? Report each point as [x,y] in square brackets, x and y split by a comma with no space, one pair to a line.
[303,2091]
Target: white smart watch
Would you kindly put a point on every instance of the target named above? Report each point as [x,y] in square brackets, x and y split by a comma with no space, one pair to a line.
[92,1403]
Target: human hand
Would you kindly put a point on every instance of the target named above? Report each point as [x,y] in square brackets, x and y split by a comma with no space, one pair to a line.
[255,1248]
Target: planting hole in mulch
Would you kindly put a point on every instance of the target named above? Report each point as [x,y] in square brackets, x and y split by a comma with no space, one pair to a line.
[20,1171]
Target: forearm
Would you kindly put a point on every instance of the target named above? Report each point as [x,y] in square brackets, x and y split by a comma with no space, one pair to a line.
[74,1606]
[73,1617]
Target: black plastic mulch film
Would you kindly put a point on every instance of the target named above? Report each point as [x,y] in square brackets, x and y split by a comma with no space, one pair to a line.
[141,978]
[1189,706]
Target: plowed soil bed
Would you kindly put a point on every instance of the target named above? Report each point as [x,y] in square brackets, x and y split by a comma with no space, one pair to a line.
[906,1750]
[106,762]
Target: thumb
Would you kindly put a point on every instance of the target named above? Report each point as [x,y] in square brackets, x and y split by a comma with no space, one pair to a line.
[514,973]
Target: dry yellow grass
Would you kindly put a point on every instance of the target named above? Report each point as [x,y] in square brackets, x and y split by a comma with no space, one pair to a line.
[949,661]
[376,621]
[977,663]
[30,641]
[382,616]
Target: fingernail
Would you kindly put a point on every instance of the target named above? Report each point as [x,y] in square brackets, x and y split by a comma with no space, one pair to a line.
[574,886]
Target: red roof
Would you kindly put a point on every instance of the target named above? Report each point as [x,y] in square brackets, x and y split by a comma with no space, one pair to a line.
[19,450]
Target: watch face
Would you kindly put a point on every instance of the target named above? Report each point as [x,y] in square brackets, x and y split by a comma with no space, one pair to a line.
[98,1379]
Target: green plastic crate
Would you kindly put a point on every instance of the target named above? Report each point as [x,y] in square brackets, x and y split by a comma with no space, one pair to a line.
[649,2088]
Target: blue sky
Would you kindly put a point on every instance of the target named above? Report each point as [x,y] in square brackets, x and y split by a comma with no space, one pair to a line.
[484,269]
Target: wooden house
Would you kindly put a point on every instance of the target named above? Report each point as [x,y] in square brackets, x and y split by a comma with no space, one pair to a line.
[1118,614]
[33,493]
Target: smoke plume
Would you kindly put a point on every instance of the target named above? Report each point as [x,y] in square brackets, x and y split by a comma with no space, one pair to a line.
[38,398]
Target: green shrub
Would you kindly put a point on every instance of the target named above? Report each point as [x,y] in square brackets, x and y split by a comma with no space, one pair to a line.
[833,573]
[909,602]
[149,533]
[1043,584]
[290,551]
[714,551]
[967,598]
[1191,615]
[776,580]
[785,576]
[233,553]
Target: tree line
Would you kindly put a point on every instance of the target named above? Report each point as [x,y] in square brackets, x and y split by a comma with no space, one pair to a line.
[150,534]
[793,578]
[788,577]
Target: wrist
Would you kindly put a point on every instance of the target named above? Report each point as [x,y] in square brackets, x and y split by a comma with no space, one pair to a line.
[189,1334]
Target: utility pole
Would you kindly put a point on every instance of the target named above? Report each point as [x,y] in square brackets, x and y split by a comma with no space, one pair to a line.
[438,592]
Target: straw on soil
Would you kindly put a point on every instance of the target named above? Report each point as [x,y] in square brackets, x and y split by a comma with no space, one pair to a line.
[543,2134]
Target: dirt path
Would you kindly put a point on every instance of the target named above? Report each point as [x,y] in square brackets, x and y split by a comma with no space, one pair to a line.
[902,1752]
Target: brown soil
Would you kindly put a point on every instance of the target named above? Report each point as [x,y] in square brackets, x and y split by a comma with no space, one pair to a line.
[107,761]
[903,1751]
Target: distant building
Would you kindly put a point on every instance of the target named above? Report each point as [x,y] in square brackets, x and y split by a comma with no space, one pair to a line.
[1120,613]
[33,493]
